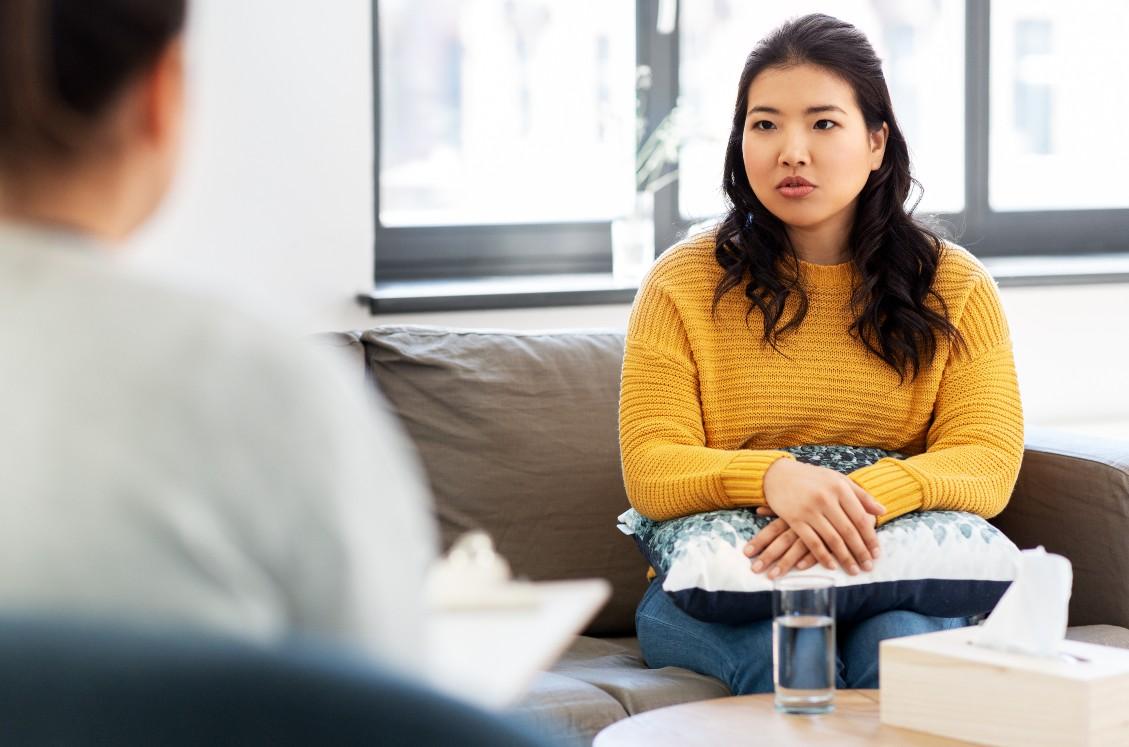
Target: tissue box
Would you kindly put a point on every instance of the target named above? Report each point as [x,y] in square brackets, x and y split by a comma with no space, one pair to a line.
[942,684]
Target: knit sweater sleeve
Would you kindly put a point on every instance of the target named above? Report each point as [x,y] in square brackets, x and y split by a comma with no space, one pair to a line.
[975,440]
[669,471]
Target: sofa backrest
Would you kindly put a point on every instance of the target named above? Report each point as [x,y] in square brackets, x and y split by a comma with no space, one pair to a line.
[518,433]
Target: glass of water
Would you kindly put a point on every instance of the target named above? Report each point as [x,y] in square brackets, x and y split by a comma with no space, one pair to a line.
[803,644]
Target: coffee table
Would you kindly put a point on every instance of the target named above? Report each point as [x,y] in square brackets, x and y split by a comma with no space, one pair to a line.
[753,720]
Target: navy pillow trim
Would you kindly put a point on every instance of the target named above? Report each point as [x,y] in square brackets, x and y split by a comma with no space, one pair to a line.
[931,596]
[646,550]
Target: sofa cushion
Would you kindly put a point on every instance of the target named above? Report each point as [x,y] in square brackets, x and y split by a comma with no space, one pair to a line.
[616,666]
[599,681]
[566,712]
[519,437]
[1103,635]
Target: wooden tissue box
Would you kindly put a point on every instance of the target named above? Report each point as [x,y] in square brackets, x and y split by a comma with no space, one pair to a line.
[941,684]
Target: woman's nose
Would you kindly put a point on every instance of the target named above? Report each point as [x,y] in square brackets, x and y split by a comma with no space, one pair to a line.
[795,152]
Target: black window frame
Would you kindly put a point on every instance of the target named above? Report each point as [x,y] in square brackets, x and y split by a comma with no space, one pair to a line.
[436,253]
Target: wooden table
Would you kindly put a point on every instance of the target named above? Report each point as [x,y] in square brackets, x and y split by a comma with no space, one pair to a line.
[753,720]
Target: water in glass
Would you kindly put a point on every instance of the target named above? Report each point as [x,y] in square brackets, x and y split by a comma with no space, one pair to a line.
[804,663]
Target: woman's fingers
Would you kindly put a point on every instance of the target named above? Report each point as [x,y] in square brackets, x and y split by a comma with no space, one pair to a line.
[841,538]
[872,507]
[830,514]
[863,524]
[869,503]
[792,555]
[806,562]
[815,545]
[775,551]
[765,537]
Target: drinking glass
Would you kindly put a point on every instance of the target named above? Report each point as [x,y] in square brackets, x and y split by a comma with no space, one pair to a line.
[803,644]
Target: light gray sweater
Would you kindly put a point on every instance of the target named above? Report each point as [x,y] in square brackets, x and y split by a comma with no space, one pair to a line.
[166,459]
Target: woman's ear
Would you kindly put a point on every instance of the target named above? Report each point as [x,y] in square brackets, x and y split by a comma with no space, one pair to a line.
[163,96]
[878,146]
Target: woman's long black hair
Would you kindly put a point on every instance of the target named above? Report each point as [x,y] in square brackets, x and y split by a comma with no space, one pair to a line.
[895,255]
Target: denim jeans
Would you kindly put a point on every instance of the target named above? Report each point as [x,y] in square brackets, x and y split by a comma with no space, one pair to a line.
[741,655]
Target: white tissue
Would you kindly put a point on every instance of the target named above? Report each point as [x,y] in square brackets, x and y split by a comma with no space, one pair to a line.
[473,577]
[1030,618]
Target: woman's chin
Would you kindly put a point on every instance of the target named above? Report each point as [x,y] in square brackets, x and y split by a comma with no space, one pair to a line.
[806,216]
[801,218]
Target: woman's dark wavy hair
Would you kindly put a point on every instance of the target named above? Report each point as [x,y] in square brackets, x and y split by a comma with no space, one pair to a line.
[62,65]
[895,255]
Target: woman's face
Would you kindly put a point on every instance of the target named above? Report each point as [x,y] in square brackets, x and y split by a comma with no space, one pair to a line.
[804,122]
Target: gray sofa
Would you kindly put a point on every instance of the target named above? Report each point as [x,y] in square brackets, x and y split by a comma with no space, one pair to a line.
[518,434]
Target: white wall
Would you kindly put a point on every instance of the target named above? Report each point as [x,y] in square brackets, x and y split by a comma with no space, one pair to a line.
[274,200]
[275,204]
[1071,355]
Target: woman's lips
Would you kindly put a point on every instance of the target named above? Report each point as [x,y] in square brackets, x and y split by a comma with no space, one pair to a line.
[796,192]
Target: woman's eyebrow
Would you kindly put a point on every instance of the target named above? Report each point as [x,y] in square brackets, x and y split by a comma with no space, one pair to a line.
[809,110]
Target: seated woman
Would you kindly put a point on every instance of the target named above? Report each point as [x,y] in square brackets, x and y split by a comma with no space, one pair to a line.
[818,312]
[164,459]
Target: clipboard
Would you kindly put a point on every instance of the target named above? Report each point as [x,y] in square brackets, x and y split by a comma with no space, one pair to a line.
[489,655]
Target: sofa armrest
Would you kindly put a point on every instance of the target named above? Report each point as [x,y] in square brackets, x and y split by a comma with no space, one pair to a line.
[1072,497]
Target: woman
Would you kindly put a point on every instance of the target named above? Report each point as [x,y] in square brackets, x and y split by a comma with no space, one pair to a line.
[818,312]
[163,459]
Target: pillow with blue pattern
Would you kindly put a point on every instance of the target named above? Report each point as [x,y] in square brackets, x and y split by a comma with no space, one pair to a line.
[937,563]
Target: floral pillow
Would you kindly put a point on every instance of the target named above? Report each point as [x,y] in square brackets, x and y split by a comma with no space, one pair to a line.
[938,563]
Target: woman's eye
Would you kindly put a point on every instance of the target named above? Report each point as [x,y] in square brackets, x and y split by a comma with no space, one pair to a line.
[766,125]
[824,124]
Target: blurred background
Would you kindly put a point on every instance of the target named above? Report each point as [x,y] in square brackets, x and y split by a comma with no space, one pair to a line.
[462,162]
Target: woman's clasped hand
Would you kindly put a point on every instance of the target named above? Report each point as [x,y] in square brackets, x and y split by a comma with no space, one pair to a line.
[822,516]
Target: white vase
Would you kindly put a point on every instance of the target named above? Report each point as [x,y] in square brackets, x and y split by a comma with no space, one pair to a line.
[633,241]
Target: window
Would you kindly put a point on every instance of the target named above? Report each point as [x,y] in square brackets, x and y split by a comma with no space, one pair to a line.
[506,129]
[1054,141]
[928,98]
[496,112]
[505,135]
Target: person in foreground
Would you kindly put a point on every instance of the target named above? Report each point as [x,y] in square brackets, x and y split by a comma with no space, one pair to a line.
[819,311]
[164,459]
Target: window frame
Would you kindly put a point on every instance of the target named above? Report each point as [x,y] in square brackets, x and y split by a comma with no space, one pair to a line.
[407,253]
[430,253]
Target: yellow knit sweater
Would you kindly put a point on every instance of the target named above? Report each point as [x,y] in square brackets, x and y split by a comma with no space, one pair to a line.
[705,404]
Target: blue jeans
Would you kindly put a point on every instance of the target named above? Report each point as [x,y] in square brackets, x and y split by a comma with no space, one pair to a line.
[741,655]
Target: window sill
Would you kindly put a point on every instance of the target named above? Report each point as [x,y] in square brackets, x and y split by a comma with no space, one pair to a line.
[532,291]
[1067,269]
[522,291]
